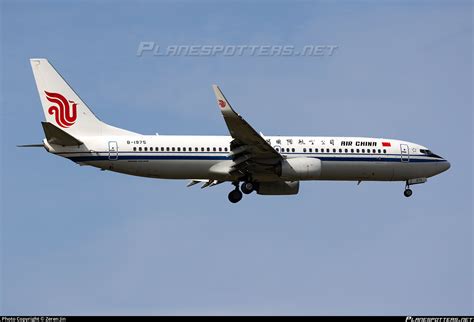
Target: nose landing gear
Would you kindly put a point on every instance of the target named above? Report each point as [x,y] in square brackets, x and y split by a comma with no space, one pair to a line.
[408,192]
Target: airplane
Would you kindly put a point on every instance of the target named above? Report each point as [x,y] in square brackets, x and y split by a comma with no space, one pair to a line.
[250,161]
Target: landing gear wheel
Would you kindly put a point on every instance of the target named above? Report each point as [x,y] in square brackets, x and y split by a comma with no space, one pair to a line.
[235,196]
[247,187]
[407,192]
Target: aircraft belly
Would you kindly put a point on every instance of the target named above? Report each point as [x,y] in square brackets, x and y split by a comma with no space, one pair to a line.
[330,170]
[122,166]
[175,169]
[357,170]
[411,170]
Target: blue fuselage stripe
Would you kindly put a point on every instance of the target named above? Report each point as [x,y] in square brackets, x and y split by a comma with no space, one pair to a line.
[225,157]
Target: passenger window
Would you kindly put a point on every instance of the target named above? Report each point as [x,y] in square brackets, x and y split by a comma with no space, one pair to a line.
[168,148]
[196,149]
[334,150]
[220,149]
[384,151]
[379,151]
[179,149]
[208,149]
[184,149]
[225,149]
[202,149]
[310,150]
[293,150]
[316,150]
[277,149]
[140,148]
[134,148]
[352,150]
[340,150]
[172,149]
[327,150]
[363,150]
[304,149]
[357,150]
[214,149]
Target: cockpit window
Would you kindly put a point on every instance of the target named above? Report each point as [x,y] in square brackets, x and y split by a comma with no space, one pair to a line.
[429,153]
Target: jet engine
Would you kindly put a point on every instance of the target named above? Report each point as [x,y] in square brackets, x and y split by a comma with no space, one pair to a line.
[278,188]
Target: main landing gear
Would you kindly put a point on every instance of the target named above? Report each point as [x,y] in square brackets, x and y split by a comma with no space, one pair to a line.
[235,195]
[247,187]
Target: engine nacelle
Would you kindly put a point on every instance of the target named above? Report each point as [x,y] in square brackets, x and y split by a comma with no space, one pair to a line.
[300,169]
[278,188]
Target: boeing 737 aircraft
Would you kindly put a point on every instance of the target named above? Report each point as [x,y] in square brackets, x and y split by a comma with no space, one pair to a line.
[269,165]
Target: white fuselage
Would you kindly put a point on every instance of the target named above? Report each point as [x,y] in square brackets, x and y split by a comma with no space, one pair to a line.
[194,157]
[272,165]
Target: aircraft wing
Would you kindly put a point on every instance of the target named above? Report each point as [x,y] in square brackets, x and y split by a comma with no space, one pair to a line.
[251,153]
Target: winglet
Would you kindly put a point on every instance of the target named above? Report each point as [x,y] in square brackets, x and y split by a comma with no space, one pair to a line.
[222,102]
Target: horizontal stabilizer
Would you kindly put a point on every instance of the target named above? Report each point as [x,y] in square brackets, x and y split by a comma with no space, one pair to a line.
[41,145]
[55,135]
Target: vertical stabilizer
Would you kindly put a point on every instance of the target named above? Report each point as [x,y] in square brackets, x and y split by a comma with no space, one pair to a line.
[63,107]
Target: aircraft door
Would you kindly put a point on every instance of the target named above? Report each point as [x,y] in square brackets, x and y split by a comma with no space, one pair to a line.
[404,153]
[113,150]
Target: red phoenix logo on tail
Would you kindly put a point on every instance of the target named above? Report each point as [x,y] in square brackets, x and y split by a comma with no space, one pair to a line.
[222,103]
[64,113]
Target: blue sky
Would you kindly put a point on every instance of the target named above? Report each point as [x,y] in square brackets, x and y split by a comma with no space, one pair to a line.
[75,240]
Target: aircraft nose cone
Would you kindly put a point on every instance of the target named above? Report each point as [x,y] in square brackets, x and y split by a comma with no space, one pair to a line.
[445,165]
